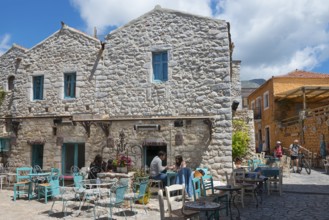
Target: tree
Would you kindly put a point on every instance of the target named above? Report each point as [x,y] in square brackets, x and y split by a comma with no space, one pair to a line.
[240,139]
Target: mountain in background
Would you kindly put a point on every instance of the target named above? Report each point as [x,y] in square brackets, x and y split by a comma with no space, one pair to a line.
[253,83]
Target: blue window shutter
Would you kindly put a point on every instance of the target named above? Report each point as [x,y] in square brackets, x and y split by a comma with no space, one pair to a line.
[38,87]
[41,88]
[160,66]
[69,85]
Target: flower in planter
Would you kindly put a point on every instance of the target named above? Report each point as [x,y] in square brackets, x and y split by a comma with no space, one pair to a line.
[122,161]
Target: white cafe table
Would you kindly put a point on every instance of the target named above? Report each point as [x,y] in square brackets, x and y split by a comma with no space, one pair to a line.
[92,190]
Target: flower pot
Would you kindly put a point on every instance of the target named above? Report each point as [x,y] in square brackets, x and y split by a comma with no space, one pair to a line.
[122,169]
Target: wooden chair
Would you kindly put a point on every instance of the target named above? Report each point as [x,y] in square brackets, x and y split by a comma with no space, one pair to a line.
[176,193]
[238,176]
[23,180]
[162,209]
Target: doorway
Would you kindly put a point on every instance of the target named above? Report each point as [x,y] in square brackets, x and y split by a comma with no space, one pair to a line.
[73,154]
[151,151]
[37,155]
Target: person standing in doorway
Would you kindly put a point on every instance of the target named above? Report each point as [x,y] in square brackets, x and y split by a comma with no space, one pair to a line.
[264,147]
[157,171]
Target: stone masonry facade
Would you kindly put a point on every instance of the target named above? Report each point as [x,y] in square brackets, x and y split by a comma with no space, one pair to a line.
[115,92]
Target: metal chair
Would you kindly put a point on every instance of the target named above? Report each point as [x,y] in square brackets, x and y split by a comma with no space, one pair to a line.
[114,200]
[133,197]
[51,188]
[65,195]
[23,181]
[196,186]
[208,184]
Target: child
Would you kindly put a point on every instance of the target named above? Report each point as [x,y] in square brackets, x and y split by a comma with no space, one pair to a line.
[278,150]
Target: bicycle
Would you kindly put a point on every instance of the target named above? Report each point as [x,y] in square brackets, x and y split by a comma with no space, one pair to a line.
[303,163]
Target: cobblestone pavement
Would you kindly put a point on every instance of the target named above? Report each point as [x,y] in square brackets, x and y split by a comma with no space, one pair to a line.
[304,197]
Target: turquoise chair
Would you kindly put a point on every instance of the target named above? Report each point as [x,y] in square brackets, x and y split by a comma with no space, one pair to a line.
[204,169]
[113,201]
[208,184]
[141,189]
[23,185]
[51,188]
[196,186]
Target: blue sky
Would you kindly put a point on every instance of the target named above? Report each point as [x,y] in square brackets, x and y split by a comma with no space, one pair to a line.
[271,37]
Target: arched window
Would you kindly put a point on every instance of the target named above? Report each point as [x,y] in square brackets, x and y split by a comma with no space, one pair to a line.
[11,84]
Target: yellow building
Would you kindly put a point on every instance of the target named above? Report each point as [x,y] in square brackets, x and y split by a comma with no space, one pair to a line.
[292,106]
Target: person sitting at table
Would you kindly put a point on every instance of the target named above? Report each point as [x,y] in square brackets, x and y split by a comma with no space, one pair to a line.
[110,167]
[157,171]
[97,166]
[179,163]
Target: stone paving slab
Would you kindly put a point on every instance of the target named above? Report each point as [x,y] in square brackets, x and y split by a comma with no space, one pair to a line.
[304,197]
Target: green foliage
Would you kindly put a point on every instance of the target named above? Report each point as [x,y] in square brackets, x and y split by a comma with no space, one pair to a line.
[240,139]
[2,95]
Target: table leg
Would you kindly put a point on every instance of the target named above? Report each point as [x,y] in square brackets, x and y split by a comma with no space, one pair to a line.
[233,197]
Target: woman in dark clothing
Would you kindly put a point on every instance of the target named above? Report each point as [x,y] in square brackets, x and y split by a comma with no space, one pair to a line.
[97,166]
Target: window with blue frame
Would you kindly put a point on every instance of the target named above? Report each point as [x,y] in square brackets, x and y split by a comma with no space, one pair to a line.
[160,66]
[37,87]
[4,144]
[69,85]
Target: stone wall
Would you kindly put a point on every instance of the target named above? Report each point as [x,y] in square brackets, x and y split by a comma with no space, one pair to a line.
[115,83]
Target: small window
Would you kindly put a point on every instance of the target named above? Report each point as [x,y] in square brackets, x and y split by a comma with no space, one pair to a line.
[37,87]
[160,66]
[266,100]
[4,144]
[69,85]
[11,80]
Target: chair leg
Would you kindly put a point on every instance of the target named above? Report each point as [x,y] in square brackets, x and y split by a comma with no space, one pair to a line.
[14,193]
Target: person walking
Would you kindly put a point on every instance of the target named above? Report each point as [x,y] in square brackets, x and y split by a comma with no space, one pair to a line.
[278,150]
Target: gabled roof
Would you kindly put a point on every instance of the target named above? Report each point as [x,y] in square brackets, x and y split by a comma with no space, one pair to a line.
[66,27]
[159,8]
[13,47]
[303,74]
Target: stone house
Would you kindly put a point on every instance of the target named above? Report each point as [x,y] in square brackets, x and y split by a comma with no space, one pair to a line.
[164,81]
[292,106]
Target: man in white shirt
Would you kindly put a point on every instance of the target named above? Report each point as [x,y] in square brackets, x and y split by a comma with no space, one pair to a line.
[157,171]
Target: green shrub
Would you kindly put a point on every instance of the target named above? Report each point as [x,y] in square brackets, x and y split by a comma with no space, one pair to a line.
[240,139]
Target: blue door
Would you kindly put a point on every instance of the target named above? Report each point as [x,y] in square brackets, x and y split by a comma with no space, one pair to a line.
[37,155]
[73,154]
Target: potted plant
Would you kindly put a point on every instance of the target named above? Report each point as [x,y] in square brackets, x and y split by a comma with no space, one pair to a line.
[139,176]
[240,140]
[122,163]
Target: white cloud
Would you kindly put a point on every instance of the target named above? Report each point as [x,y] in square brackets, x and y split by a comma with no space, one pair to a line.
[105,13]
[4,43]
[271,37]
[274,37]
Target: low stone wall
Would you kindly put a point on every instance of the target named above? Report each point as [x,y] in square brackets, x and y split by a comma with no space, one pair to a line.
[111,175]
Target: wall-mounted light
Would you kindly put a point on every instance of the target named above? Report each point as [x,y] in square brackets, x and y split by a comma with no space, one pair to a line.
[235,105]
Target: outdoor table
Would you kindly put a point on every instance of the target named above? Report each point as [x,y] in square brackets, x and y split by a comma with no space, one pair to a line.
[36,177]
[230,189]
[270,171]
[94,189]
[202,205]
